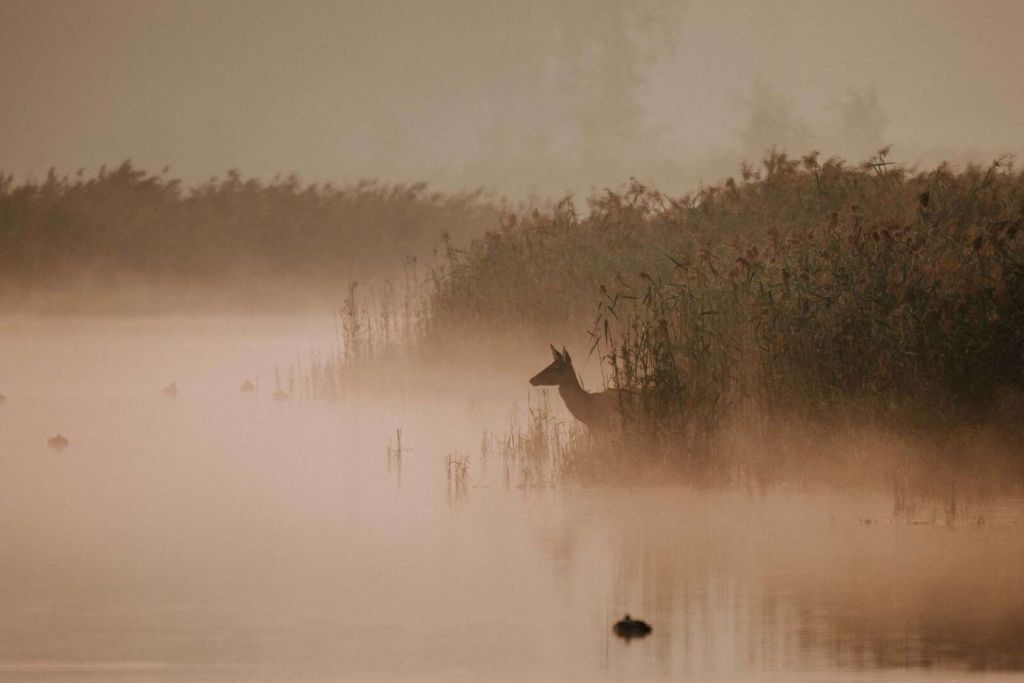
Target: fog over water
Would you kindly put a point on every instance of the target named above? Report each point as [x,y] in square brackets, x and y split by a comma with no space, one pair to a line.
[275,278]
[219,535]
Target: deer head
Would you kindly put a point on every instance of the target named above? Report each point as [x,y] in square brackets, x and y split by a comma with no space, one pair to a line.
[559,372]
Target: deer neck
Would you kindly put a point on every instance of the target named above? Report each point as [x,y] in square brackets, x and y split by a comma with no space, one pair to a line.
[576,397]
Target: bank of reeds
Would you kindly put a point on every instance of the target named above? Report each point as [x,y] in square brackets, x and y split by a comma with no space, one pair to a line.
[845,296]
[124,232]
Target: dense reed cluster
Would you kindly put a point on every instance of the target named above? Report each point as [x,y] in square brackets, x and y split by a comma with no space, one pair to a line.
[125,225]
[376,324]
[835,292]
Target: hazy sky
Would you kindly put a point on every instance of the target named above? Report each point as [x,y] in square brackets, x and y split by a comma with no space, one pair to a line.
[506,94]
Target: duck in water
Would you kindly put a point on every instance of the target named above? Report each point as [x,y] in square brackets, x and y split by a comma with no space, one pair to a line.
[57,442]
[631,628]
[248,387]
[171,389]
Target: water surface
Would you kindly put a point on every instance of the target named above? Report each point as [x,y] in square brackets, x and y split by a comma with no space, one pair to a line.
[218,535]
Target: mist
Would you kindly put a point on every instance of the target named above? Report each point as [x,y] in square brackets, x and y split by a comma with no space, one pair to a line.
[532,98]
[466,341]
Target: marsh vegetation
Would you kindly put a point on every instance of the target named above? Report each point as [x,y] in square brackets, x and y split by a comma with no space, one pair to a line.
[812,321]
[823,362]
[127,240]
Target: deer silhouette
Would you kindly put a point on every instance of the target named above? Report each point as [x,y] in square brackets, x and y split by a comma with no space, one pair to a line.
[601,411]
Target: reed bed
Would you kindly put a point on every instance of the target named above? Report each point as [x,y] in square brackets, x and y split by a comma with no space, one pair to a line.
[844,296]
[376,325]
[125,232]
[761,322]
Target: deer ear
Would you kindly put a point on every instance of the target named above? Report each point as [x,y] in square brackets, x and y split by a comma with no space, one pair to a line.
[565,355]
[555,353]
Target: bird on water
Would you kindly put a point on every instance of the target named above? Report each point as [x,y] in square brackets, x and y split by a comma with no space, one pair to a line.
[631,628]
[57,442]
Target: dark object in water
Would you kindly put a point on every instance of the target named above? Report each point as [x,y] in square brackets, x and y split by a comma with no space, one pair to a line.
[281,395]
[3,399]
[631,628]
[57,442]
[248,387]
[171,389]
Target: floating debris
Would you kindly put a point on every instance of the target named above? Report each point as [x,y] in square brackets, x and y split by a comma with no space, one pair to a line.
[631,628]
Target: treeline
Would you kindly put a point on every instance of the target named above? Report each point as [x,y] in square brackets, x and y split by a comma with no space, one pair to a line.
[126,223]
[804,287]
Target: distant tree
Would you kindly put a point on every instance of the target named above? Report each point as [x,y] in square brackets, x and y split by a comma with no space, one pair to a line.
[771,122]
[860,123]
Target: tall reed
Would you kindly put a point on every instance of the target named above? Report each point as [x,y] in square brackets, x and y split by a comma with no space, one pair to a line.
[871,294]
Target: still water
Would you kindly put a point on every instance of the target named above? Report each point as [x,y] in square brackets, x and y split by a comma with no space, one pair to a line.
[218,535]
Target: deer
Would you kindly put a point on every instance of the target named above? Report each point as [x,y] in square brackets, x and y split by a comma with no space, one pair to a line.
[600,411]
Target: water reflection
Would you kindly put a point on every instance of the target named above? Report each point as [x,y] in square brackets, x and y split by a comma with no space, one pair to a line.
[223,536]
[793,581]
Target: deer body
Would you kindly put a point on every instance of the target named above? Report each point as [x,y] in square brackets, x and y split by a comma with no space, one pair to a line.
[600,411]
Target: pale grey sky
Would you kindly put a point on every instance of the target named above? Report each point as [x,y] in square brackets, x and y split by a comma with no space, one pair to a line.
[510,95]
